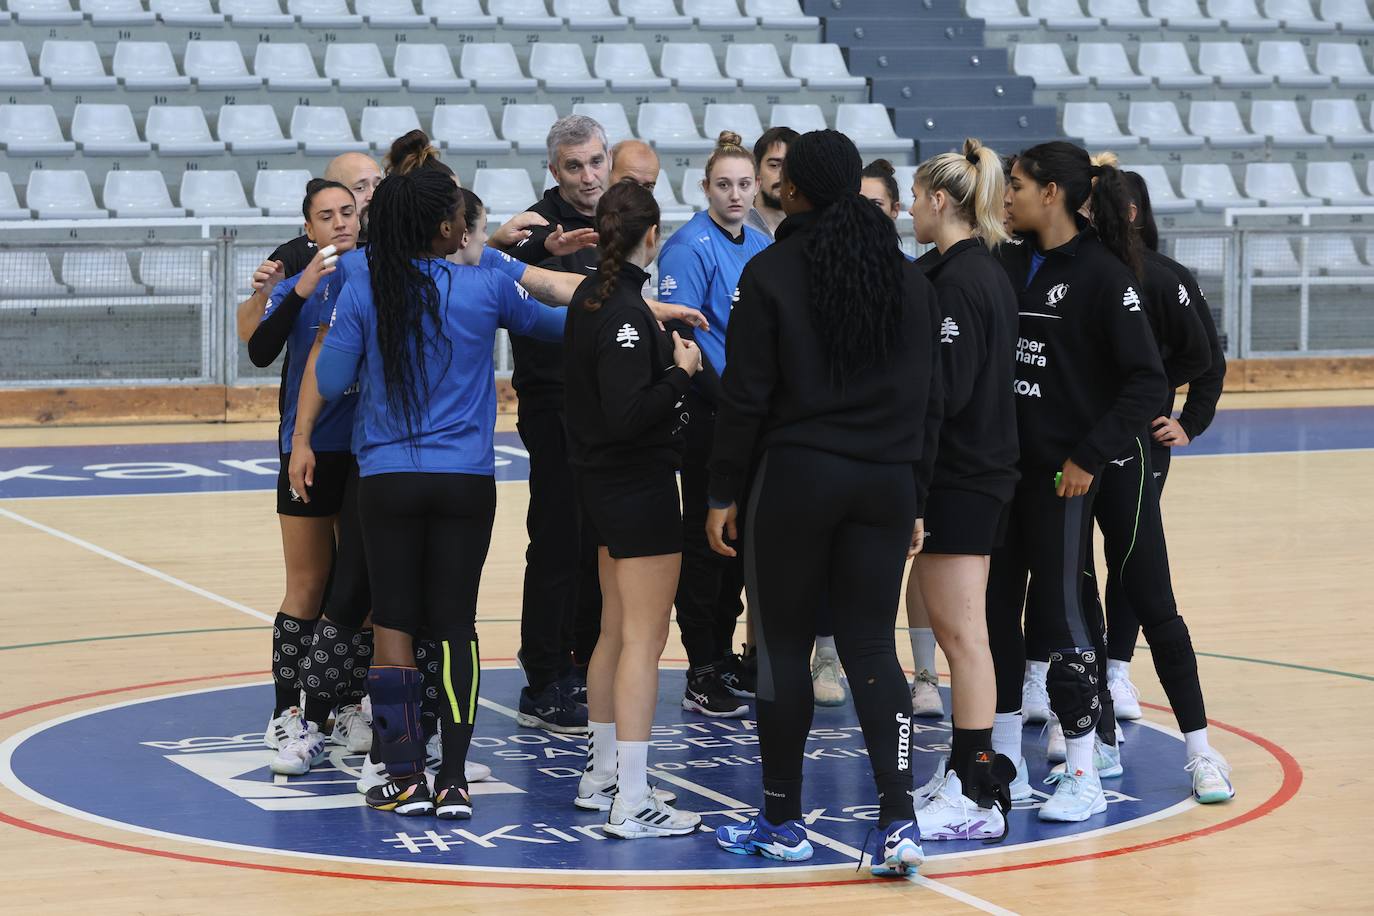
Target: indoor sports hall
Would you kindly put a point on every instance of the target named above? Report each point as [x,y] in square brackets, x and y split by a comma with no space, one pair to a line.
[156,153]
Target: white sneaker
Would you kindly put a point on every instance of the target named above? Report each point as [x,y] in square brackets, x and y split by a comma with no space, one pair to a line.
[925,696]
[1020,786]
[825,678]
[952,815]
[1106,759]
[594,796]
[1035,699]
[297,756]
[1077,797]
[371,775]
[1125,698]
[351,730]
[922,796]
[434,757]
[652,817]
[1211,783]
[1055,749]
[288,725]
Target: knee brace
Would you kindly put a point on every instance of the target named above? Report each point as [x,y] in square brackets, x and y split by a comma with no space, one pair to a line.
[327,667]
[1072,686]
[395,696]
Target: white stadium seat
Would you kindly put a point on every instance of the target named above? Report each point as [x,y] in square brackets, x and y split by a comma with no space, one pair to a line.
[382,124]
[467,129]
[1213,187]
[1329,255]
[742,118]
[1297,16]
[256,13]
[180,130]
[1163,198]
[44,12]
[1122,14]
[61,194]
[73,65]
[611,116]
[391,14]
[29,273]
[1272,255]
[427,68]
[280,192]
[1220,123]
[218,65]
[758,68]
[1276,184]
[626,66]
[289,67]
[692,66]
[493,67]
[324,130]
[527,126]
[458,14]
[1000,14]
[215,193]
[1159,125]
[1106,63]
[1345,63]
[192,13]
[179,271]
[1287,61]
[1062,14]
[717,15]
[1336,183]
[107,130]
[670,128]
[1229,62]
[504,190]
[358,68]
[1096,124]
[147,65]
[668,204]
[589,15]
[9,204]
[801,118]
[1339,119]
[1241,16]
[654,14]
[1167,63]
[693,195]
[100,273]
[16,70]
[1182,15]
[1352,16]
[138,194]
[822,66]
[32,130]
[780,14]
[524,14]
[117,12]
[252,130]
[869,126]
[1279,120]
[1044,62]
[324,14]
[563,67]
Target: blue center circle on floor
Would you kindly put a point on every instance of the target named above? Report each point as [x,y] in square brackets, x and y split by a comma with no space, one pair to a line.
[193,766]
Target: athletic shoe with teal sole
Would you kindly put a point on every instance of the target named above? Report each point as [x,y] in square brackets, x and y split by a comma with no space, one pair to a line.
[901,853]
[756,837]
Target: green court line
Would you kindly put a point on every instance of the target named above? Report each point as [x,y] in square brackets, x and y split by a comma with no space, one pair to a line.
[1274,664]
[68,642]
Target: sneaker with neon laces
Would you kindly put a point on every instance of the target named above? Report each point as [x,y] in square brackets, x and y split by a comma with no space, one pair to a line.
[297,756]
[552,709]
[925,696]
[1055,748]
[952,815]
[371,775]
[282,728]
[1020,787]
[1077,797]
[1106,759]
[434,758]
[922,796]
[651,817]
[901,853]
[1125,698]
[594,796]
[1211,778]
[708,695]
[408,797]
[352,730]
[825,678]
[784,842]
[1035,698]
[452,802]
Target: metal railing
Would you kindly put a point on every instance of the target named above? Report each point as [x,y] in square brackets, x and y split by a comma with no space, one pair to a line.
[139,302]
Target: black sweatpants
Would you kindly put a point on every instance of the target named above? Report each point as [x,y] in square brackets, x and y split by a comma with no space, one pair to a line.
[1047,540]
[709,587]
[560,613]
[846,542]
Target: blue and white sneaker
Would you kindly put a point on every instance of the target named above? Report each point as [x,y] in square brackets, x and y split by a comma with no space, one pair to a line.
[901,852]
[1077,797]
[1210,778]
[1106,759]
[756,837]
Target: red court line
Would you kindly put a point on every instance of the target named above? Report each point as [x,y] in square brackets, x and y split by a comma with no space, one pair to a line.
[1292,782]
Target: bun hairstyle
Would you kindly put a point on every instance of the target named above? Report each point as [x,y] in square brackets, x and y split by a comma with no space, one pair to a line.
[1102,187]
[412,152]
[623,215]
[883,171]
[313,187]
[1106,157]
[975,182]
[729,145]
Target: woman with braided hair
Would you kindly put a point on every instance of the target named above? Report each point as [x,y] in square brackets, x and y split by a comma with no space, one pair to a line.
[626,381]
[416,333]
[832,374]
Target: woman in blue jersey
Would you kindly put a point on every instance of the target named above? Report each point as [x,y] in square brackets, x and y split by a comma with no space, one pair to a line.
[294,310]
[699,267]
[416,333]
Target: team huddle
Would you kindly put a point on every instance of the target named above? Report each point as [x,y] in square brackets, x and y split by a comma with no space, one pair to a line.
[793,413]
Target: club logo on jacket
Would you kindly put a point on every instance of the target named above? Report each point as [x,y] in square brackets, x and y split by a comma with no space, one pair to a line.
[667,285]
[949,330]
[1131,299]
[1056,294]
[734,297]
[627,336]
[1183,298]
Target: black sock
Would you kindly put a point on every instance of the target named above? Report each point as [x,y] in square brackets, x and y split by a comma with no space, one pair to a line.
[459,678]
[317,711]
[456,739]
[290,641]
[781,800]
[967,743]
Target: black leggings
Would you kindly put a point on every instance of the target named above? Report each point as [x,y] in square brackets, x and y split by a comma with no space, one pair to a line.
[1047,539]
[1123,628]
[350,595]
[847,539]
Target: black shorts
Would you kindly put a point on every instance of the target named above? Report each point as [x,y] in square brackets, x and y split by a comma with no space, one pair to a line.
[633,512]
[965,523]
[326,493]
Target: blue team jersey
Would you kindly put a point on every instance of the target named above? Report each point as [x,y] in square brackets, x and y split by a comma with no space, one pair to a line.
[700,267]
[454,434]
[333,427]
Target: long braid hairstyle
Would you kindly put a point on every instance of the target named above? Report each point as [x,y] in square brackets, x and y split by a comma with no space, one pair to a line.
[854,264]
[406,213]
[625,212]
[1102,187]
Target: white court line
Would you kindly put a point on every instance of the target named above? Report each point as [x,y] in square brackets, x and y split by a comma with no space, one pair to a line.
[134,564]
[953,893]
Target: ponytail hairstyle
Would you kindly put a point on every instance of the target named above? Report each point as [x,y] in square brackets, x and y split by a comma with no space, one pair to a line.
[854,264]
[623,215]
[976,182]
[1144,211]
[1100,186]
[472,207]
[412,152]
[883,171]
[313,187]
[406,212]
[729,145]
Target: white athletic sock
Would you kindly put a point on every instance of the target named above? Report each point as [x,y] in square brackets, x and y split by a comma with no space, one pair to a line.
[1078,753]
[922,648]
[1006,735]
[602,750]
[827,643]
[1039,670]
[632,776]
[1116,667]
[1196,742]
